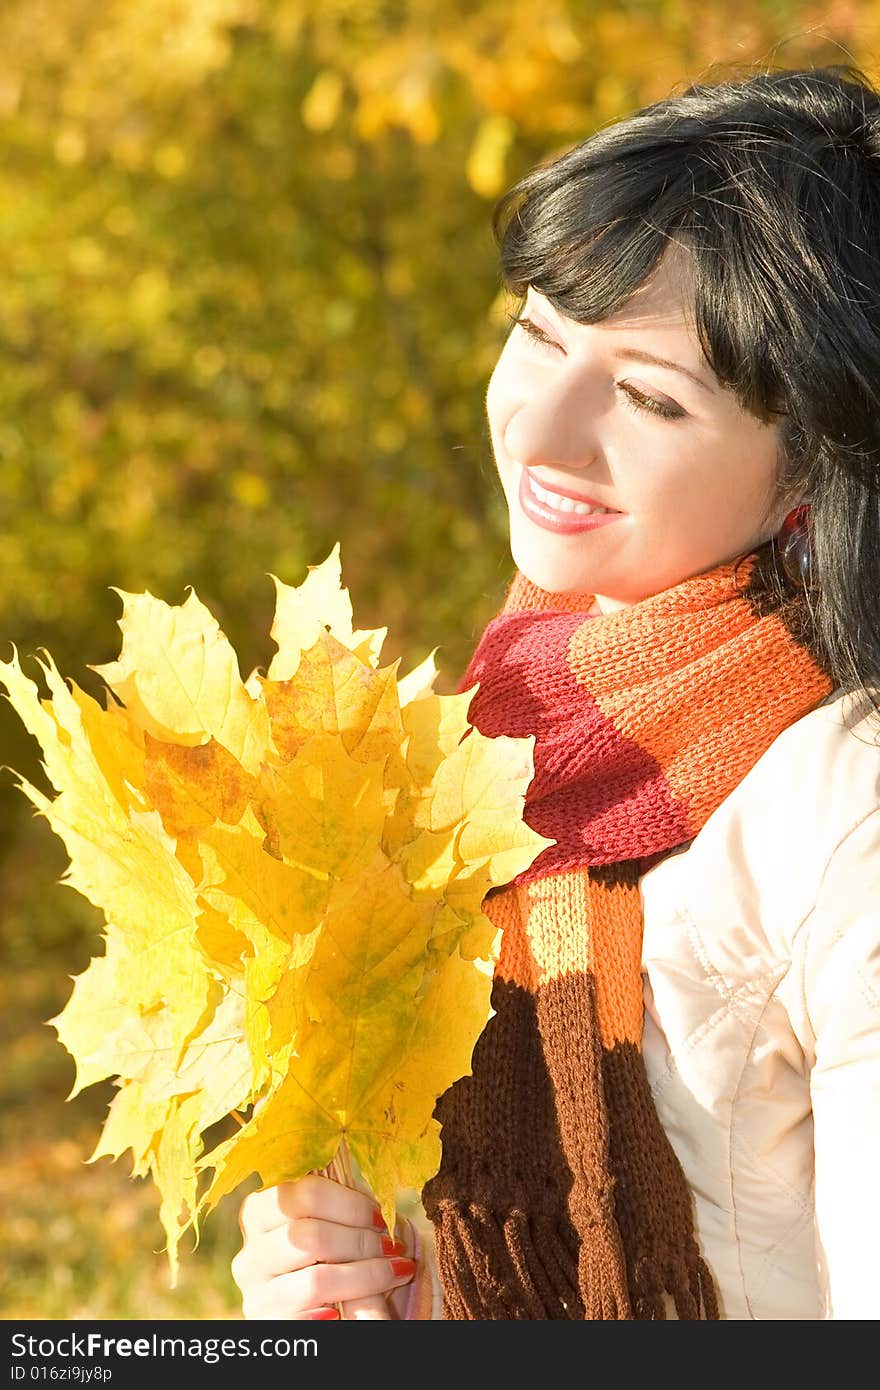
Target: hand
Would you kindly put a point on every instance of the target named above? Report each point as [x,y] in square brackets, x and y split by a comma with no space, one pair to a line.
[313,1243]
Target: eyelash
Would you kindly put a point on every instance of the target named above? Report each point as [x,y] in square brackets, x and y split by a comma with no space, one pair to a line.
[633,398]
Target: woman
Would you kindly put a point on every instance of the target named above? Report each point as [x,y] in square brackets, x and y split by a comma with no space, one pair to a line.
[675,1108]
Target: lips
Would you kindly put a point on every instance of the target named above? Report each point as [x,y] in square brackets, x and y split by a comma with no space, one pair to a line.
[566,492]
[550,518]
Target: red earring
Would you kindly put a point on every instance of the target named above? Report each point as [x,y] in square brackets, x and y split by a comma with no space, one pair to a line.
[793,544]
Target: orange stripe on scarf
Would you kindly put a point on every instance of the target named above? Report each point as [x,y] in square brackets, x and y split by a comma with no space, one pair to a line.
[576,924]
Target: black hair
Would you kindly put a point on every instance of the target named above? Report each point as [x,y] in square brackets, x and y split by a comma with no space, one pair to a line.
[772,183]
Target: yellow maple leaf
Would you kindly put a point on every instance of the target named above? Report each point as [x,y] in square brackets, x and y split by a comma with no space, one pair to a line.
[178,675]
[335,692]
[292,871]
[320,603]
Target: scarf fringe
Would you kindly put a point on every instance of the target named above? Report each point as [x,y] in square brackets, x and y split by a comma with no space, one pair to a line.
[510,1267]
[702,1283]
[505,1267]
[685,1277]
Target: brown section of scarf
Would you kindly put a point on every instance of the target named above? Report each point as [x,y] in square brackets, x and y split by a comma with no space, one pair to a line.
[538,1237]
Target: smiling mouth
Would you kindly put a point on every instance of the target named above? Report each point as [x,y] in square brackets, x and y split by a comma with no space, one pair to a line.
[563,502]
[554,512]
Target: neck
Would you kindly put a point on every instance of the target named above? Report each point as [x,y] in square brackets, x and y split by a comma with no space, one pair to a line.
[601,604]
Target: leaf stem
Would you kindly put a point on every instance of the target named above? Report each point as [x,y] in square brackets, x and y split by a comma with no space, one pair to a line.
[336,1171]
[339,1169]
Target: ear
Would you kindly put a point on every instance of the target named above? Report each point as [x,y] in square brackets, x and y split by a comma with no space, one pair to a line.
[786,505]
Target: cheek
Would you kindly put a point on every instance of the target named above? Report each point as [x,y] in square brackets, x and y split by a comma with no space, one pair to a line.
[500,395]
[748,498]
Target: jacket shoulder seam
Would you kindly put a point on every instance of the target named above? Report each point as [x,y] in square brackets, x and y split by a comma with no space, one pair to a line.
[851,830]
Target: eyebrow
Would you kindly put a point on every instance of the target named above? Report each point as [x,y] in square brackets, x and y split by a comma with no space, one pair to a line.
[639,355]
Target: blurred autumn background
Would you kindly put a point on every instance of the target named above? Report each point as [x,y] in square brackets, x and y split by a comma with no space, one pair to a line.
[249,307]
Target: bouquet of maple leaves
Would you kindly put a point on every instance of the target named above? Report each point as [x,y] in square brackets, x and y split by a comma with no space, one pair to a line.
[291,869]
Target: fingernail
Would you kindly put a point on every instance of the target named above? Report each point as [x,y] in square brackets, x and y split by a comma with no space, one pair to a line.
[378,1222]
[325,1313]
[392,1247]
[403,1269]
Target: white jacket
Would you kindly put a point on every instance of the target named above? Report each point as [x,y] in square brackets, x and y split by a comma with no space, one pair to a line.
[762,1041]
[761,960]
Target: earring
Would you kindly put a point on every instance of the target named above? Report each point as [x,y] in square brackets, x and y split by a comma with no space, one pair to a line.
[793,544]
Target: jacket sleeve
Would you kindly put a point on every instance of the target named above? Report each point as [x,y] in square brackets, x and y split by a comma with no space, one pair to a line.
[842,996]
[425,1301]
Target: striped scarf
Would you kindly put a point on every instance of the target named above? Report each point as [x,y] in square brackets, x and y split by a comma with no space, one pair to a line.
[558,1193]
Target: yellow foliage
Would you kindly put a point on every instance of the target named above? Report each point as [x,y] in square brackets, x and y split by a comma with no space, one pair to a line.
[321,103]
[485,167]
[292,870]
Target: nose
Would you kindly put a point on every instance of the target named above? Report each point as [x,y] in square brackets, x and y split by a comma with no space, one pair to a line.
[556,421]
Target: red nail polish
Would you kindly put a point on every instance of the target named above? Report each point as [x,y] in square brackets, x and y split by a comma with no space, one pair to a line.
[325,1313]
[378,1222]
[403,1269]
[392,1247]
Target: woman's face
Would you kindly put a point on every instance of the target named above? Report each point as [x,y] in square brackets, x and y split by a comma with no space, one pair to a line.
[689,492]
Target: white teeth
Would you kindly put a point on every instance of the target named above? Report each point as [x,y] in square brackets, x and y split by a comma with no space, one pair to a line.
[565,504]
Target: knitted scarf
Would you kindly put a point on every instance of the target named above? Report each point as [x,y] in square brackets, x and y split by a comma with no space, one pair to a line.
[558,1193]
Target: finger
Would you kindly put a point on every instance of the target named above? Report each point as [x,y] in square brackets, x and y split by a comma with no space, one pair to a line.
[254,1311]
[306,1241]
[402,1232]
[321,1284]
[373,1309]
[313,1195]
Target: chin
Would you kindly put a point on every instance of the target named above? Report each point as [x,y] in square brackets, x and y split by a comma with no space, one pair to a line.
[552,577]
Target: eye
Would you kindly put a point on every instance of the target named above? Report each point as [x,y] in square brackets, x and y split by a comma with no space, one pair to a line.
[636,401]
[532,330]
[634,398]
